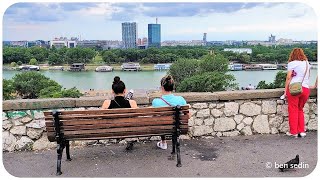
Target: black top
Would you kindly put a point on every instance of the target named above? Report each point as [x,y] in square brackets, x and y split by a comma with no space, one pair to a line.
[119,102]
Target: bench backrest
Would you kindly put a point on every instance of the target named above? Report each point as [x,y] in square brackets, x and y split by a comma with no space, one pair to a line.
[116,123]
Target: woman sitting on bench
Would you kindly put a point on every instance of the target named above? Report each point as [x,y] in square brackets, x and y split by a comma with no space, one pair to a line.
[119,101]
[167,99]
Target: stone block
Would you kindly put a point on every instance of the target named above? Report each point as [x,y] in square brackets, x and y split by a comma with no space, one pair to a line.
[216,113]
[230,134]
[246,131]
[203,113]
[224,124]
[200,105]
[208,121]
[231,108]
[238,118]
[261,124]
[250,109]
[269,107]
[201,130]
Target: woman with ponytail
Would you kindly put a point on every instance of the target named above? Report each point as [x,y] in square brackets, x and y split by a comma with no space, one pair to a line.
[119,101]
[167,99]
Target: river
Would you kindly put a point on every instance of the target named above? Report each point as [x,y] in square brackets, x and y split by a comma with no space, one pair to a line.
[140,80]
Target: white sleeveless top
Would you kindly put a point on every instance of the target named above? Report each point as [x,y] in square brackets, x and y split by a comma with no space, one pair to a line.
[299,67]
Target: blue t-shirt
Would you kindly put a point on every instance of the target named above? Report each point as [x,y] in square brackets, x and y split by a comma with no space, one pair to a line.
[171,99]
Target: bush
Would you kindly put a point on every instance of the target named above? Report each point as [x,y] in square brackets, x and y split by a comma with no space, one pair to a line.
[279,82]
[19,63]
[13,64]
[183,68]
[8,89]
[207,82]
[29,84]
[72,92]
[211,63]
[33,61]
[57,92]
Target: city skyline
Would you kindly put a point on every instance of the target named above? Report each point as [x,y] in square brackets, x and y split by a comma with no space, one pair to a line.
[179,21]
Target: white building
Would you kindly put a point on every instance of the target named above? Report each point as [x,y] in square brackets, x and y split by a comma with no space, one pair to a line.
[239,50]
[63,42]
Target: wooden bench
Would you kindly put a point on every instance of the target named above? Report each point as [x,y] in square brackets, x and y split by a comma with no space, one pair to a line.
[64,126]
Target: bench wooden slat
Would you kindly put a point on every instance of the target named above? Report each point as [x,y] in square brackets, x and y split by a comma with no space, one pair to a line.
[105,126]
[110,121]
[49,123]
[125,129]
[122,135]
[91,127]
[90,116]
[51,136]
[117,111]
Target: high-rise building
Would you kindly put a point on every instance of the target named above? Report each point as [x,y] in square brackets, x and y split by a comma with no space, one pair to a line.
[272,39]
[139,42]
[144,41]
[129,35]
[204,37]
[154,35]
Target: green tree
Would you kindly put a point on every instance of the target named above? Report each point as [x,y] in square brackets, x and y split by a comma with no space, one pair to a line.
[279,82]
[280,79]
[109,56]
[8,89]
[183,68]
[33,61]
[13,64]
[72,92]
[19,63]
[55,59]
[29,84]
[208,82]
[212,63]
[57,92]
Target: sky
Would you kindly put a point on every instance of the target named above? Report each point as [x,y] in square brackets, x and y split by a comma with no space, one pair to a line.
[179,21]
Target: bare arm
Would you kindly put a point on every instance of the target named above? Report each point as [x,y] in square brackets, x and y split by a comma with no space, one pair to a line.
[106,104]
[288,79]
[315,84]
[133,104]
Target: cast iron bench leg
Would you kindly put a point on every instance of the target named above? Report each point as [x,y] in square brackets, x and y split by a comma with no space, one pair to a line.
[59,151]
[68,150]
[178,153]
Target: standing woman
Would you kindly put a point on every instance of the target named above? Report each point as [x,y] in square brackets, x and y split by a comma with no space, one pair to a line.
[167,99]
[298,71]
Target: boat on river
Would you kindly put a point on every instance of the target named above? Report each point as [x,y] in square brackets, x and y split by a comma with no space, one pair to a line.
[253,67]
[268,66]
[235,67]
[104,69]
[131,66]
[164,66]
[29,68]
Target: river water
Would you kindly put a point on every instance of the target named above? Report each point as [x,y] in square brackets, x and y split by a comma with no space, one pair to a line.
[142,79]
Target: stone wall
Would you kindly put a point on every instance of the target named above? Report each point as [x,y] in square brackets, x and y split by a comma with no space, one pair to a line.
[213,114]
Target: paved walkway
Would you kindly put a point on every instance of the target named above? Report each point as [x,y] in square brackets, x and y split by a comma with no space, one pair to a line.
[243,156]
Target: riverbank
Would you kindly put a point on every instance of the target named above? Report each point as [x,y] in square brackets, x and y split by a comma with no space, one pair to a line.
[140,80]
[88,67]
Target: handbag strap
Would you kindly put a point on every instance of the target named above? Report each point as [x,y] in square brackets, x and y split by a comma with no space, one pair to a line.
[165,101]
[305,72]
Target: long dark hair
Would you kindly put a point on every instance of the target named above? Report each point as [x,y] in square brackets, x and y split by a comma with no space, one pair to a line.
[118,86]
[167,83]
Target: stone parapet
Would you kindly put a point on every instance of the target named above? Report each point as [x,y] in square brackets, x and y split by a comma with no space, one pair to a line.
[212,114]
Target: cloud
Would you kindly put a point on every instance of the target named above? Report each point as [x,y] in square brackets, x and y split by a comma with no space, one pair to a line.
[42,12]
